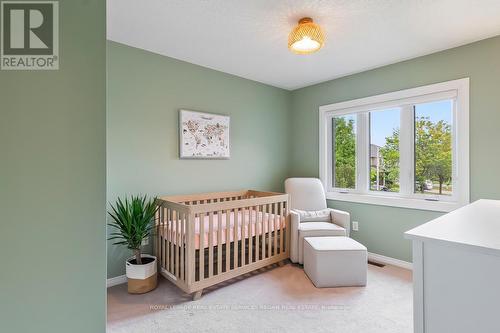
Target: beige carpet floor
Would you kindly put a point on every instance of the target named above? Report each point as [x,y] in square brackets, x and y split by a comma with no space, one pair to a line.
[276,299]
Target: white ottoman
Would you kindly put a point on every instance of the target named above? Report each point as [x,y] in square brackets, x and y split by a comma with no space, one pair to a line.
[335,261]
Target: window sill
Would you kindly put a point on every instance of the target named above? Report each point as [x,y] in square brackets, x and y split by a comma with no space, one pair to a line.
[438,206]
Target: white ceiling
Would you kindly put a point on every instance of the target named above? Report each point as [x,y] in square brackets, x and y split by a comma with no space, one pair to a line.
[248,38]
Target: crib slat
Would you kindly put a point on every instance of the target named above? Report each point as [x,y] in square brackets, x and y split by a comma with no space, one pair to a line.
[235,239]
[242,232]
[228,241]
[172,241]
[172,244]
[159,241]
[159,235]
[177,245]
[269,224]
[201,262]
[263,239]
[219,242]
[165,235]
[210,244]
[167,241]
[182,242]
[275,222]
[286,226]
[190,248]
[164,238]
[257,233]
[251,223]
[281,227]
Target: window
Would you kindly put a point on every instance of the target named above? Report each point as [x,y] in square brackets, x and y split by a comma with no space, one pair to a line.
[344,143]
[384,150]
[407,148]
[433,153]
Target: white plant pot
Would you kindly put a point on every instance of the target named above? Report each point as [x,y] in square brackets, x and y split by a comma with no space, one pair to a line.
[141,278]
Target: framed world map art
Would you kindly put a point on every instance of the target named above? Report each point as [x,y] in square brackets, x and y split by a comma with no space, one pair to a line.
[203,135]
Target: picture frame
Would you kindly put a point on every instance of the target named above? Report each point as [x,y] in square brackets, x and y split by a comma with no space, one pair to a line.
[204,135]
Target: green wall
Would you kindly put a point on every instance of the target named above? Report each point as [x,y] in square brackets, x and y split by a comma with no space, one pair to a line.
[275,132]
[145,92]
[52,184]
[381,228]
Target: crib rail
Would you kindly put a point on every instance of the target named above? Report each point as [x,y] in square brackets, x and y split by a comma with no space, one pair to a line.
[208,238]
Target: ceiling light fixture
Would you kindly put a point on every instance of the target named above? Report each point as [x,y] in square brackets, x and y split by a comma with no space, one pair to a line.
[307,37]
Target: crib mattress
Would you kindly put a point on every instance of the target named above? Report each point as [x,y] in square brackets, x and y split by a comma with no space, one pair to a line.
[252,222]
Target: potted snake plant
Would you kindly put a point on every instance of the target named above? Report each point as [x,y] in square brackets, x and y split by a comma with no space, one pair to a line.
[133,221]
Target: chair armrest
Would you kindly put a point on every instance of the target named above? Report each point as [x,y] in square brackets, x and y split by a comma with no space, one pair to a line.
[294,236]
[342,219]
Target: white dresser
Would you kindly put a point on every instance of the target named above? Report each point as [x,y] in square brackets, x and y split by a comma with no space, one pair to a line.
[456,271]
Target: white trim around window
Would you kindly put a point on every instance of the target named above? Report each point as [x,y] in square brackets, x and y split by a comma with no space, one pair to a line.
[457,90]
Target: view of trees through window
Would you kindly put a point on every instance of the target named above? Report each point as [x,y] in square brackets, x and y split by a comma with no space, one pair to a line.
[433,152]
[432,149]
[384,150]
[344,143]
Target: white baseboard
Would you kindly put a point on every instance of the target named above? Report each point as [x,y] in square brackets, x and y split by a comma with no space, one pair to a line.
[371,256]
[389,261]
[116,281]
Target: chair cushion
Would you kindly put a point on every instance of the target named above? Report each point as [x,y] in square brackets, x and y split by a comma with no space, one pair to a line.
[334,229]
[314,215]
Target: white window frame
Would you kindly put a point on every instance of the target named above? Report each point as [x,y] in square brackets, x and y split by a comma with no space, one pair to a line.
[457,90]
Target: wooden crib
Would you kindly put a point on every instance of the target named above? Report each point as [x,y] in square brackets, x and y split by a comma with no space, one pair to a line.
[204,239]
